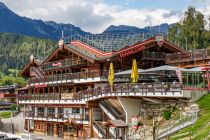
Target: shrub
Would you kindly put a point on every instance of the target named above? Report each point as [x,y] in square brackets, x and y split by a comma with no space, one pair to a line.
[167,115]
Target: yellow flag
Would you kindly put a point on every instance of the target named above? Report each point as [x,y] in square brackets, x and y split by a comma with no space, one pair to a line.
[111,74]
[134,73]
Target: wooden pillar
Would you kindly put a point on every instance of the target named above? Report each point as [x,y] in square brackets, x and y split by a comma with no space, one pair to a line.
[55,130]
[45,129]
[208,80]
[91,121]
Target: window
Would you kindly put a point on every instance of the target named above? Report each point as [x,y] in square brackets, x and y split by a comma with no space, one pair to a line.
[75,110]
[50,110]
[60,110]
[68,128]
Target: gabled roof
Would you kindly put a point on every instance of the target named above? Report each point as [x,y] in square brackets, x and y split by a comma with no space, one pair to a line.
[70,48]
[126,50]
[145,44]
[25,72]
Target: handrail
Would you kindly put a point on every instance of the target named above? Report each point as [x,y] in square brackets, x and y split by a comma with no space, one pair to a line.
[99,128]
[126,88]
[182,123]
[112,111]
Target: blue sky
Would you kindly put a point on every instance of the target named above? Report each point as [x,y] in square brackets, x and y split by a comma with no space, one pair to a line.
[96,15]
[150,4]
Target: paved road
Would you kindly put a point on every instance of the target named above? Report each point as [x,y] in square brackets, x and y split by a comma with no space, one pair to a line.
[18,122]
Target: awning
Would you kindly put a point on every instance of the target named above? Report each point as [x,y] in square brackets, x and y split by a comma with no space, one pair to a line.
[196,69]
[155,69]
[162,68]
[116,123]
[23,88]
[127,72]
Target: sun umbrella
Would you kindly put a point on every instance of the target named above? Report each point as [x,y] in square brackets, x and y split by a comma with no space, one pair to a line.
[111,74]
[134,73]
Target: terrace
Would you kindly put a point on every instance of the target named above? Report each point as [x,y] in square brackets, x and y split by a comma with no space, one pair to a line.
[170,90]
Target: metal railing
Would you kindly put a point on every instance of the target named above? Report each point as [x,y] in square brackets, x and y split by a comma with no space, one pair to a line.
[62,64]
[118,89]
[56,116]
[182,123]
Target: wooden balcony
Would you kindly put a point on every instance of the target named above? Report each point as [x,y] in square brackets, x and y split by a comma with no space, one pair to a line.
[153,55]
[63,64]
[196,55]
[70,77]
[55,116]
[8,95]
[125,89]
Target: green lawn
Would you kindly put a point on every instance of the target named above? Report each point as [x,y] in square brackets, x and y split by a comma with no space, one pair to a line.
[6,114]
[201,129]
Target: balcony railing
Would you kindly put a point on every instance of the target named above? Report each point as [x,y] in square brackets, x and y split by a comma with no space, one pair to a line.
[190,56]
[63,63]
[153,55]
[125,89]
[56,116]
[72,76]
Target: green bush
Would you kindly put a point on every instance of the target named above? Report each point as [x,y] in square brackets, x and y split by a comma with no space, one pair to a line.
[15,107]
[167,115]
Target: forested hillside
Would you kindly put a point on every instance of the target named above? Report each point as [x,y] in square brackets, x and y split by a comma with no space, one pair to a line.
[192,32]
[15,50]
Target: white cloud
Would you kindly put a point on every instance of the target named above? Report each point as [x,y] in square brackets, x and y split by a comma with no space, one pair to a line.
[91,15]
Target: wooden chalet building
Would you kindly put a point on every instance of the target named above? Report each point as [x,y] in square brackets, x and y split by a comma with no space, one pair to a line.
[68,94]
[8,93]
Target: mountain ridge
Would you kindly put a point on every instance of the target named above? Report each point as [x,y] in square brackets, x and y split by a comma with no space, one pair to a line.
[13,23]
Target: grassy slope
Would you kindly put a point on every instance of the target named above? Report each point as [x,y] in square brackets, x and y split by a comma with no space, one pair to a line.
[6,114]
[201,128]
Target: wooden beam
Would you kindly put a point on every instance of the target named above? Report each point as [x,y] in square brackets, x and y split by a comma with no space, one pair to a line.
[157,101]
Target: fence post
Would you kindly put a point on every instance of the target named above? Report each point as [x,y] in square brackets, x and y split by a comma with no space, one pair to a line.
[190,135]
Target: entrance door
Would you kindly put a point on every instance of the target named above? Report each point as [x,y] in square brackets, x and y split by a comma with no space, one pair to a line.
[60,131]
[50,129]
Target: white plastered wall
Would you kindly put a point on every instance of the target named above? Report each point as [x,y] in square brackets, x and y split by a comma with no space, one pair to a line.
[130,106]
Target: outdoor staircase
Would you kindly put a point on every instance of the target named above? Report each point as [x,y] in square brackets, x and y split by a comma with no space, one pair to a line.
[100,129]
[38,72]
[113,109]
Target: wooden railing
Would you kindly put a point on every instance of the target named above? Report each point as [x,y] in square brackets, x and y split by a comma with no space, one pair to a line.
[71,76]
[118,89]
[153,55]
[189,56]
[57,116]
[63,63]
